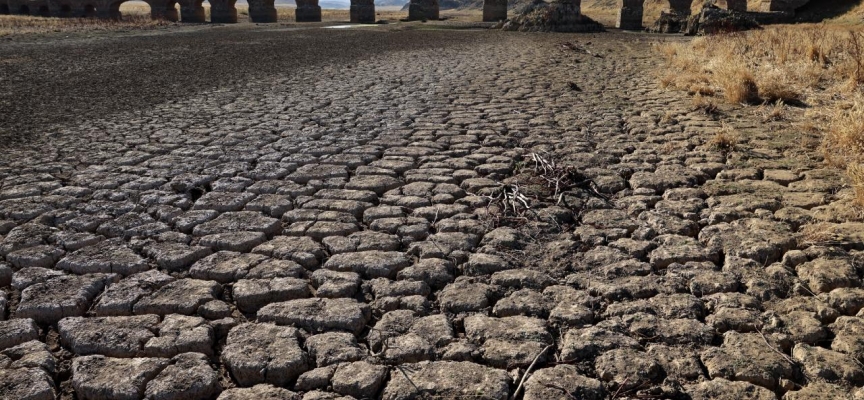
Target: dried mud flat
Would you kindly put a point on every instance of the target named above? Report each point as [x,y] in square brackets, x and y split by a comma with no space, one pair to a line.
[247,212]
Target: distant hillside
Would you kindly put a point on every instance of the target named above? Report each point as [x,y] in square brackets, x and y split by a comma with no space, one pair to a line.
[344,4]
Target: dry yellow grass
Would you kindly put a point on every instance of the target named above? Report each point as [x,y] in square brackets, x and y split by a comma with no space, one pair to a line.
[855,172]
[820,65]
[843,142]
[725,140]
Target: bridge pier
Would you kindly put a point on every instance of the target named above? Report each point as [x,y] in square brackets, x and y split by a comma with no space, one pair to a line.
[166,10]
[223,11]
[262,11]
[494,10]
[786,6]
[423,10]
[363,11]
[192,11]
[734,5]
[681,7]
[308,11]
[630,15]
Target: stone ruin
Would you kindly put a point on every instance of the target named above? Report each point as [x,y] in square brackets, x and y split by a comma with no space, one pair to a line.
[676,17]
[555,15]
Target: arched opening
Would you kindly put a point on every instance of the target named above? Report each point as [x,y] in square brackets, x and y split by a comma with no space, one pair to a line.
[44,11]
[65,11]
[24,10]
[131,10]
[4,9]
[89,11]
[170,13]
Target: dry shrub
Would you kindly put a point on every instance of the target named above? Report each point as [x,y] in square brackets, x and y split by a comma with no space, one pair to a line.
[737,83]
[788,63]
[843,143]
[815,235]
[725,140]
[855,172]
[704,104]
[774,112]
[821,66]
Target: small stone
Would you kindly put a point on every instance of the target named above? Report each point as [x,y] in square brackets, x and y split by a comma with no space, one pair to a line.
[359,379]
[110,256]
[239,221]
[318,378]
[829,365]
[26,383]
[333,348]
[241,242]
[447,379]
[627,368]
[824,275]
[99,377]
[182,296]
[318,315]
[259,353]
[551,383]
[260,391]
[370,264]
[252,294]
[187,377]
[722,389]
[16,331]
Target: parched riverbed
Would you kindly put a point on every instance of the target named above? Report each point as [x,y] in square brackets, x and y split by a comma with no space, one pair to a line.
[246,212]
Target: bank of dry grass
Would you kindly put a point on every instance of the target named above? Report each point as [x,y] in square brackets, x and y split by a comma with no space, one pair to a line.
[820,66]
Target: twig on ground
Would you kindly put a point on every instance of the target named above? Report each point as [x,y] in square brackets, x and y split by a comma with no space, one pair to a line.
[528,372]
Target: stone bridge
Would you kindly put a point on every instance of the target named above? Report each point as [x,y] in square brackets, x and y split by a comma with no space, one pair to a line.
[630,13]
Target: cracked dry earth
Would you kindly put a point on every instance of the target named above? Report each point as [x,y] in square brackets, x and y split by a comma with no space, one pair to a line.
[325,234]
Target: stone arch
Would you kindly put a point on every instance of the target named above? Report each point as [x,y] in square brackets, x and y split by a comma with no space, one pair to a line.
[24,9]
[89,11]
[112,11]
[63,10]
[630,12]
[4,9]
[43,11]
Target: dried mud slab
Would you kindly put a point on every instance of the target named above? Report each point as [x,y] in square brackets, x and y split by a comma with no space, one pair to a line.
[331,221]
